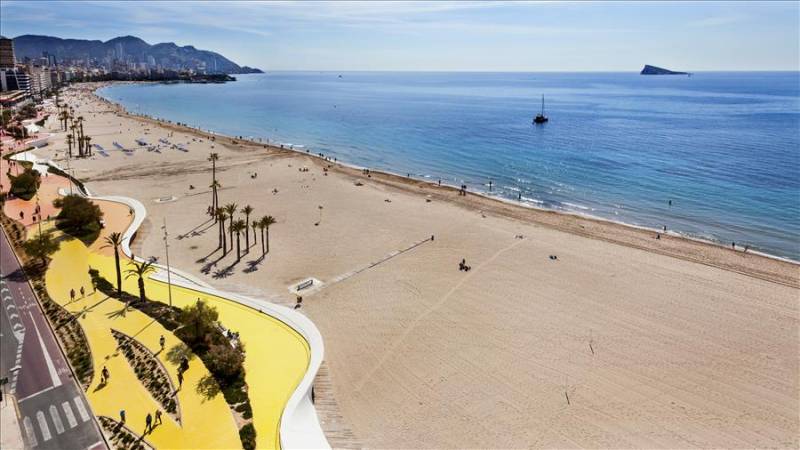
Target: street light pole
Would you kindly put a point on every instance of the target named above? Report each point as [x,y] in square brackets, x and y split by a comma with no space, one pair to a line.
[166,248]
[69,175]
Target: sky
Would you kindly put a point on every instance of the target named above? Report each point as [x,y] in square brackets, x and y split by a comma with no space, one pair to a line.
[441,36]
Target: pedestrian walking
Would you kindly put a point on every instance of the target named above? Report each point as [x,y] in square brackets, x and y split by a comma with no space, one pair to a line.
[104,375]
[148,423]
[158,416]
[162,341]
[72,295]
[180,379]
[83,292]
[122,416]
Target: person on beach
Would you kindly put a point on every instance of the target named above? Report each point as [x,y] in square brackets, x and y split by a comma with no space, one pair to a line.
[83,292]
[180,379]
[122,416]
[148,423]
[162,341]
[72,295]
[104,375]
[733,245]
[158,417]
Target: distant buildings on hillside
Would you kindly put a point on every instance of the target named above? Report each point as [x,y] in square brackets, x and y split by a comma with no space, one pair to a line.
[35,78]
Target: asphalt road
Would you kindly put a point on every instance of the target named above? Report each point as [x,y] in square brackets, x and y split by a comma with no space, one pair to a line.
[54,411]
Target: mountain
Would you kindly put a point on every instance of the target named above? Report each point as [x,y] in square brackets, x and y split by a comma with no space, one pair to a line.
[129,49]
[653,70]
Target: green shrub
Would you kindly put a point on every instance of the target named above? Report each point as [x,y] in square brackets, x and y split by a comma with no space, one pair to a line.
[79,217]
[25,184]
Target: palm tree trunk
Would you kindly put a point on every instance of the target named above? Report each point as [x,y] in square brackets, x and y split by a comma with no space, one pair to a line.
[247,232]
[267,240]
[141,289]
[238,253]
[224,241]
[119,272]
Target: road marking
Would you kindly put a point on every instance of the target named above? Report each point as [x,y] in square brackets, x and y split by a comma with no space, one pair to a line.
[29,431]
[46,436]
[81,408]
[36,394]
[56,419]
[50,367]
[70,415]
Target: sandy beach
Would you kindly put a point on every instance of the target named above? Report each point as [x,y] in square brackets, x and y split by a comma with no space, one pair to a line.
[621,340]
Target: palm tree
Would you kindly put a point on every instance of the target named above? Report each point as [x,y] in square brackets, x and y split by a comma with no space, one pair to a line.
[266,221]
[213,157]
[114,240]
[214,207]
[88,141]
[238,226]
[140,270]
[222,217]
[254,225]
[62,118]
[69,144]
[230,210]
[247,210]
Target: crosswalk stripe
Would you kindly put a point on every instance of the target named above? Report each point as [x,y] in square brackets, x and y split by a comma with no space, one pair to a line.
[70,415]
[29,431]
[81,409]
[56,419]
[46,436]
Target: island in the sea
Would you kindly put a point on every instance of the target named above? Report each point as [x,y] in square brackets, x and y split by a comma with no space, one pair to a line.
[653,70]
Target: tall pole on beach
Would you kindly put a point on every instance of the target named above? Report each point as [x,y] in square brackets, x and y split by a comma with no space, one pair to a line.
[166,248]
[69,176]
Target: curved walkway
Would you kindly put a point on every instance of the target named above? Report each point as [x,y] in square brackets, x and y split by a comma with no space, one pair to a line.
[283,348]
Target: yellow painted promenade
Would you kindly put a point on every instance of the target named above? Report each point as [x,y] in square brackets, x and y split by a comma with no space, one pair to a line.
[276,355]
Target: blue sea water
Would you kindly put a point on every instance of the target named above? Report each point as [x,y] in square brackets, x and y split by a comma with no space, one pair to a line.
[724,147]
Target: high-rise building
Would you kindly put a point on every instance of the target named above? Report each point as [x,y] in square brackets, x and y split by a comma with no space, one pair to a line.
[40,80]
[7,60]
[14,80]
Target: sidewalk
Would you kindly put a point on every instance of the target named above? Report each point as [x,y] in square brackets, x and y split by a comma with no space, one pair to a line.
[10,432]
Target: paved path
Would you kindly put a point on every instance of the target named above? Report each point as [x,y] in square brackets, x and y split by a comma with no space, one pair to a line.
[53,409]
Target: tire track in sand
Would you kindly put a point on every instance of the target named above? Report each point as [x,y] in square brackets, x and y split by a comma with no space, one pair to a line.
[390,351]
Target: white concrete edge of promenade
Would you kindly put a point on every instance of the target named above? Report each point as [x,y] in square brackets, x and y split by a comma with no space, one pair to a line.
[300,427]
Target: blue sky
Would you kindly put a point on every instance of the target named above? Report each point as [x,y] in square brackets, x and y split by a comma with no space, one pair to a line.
[482,36]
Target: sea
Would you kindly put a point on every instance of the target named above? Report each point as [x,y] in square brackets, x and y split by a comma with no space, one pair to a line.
[714,156]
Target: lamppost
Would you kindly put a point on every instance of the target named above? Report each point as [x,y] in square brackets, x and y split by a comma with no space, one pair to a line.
[166,249]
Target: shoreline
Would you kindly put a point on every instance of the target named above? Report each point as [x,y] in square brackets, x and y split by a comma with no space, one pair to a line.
[642,236]
[699,233]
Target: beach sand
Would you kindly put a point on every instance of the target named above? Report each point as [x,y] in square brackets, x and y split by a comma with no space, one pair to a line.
[622,341]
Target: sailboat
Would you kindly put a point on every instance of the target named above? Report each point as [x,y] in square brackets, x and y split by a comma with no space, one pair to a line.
[540,118]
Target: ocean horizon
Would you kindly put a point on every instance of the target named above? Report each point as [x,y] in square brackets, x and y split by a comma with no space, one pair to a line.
[714,156]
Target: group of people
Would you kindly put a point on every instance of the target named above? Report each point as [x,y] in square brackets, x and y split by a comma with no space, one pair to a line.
[463,265]
[149,423]
[149,420]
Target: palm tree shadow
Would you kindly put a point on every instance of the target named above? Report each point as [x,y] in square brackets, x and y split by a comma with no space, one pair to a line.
[252,266]
[194,231]
[224,273]
[80,314]
[177,352]
[207,387]
[120,313]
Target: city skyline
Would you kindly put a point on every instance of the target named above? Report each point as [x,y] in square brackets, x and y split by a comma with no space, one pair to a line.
[448,36]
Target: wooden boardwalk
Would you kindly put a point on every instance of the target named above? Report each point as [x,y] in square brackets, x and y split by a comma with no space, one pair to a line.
[333,424]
